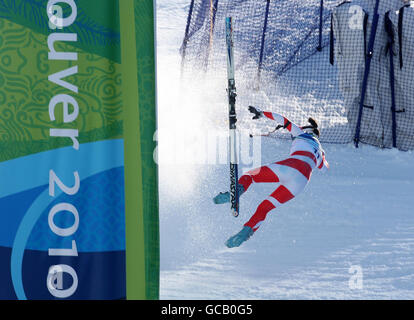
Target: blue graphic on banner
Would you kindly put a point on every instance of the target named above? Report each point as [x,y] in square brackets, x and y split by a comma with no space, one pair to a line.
[100,237]
[12,210]
[101,215]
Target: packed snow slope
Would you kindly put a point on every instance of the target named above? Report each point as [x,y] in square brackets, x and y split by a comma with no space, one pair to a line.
[356,216]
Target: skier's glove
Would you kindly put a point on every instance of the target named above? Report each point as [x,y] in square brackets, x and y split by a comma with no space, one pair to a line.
[256,111]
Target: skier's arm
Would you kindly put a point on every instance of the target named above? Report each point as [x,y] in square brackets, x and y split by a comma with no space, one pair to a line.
[323,163]
[293,128]
[284,122]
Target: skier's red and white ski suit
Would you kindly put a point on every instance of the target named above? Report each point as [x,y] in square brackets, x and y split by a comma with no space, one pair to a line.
[292,174]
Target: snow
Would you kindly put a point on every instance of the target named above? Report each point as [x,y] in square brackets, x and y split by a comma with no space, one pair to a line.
[358,214]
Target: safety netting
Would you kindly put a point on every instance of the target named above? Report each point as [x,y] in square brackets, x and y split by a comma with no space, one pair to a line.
[348,64]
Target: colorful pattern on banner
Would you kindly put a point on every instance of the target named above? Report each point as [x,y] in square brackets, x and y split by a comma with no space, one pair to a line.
[142,225]
[63,151]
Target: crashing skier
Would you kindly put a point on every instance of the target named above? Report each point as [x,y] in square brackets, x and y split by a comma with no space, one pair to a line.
[292,174]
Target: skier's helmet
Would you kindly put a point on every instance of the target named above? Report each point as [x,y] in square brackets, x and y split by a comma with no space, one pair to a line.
[312,128]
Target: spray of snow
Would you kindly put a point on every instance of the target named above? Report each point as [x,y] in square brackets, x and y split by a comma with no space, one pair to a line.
[359,213]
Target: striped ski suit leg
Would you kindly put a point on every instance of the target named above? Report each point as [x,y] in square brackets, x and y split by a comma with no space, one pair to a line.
[293,175]
[260,175]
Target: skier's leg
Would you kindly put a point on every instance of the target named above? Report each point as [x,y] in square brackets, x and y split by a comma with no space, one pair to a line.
[260,175]
[294,178]
[293,181]
[280,196]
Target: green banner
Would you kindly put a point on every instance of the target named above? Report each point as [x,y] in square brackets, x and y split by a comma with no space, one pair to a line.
[78,180]
[138,70]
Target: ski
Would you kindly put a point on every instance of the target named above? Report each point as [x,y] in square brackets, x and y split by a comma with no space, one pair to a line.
[231,90]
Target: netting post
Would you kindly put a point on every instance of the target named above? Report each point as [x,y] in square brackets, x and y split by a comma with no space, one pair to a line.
[259,71]
[320,26]
[400,26]
[390,51]
[368,60]
[213,11]
[185,41]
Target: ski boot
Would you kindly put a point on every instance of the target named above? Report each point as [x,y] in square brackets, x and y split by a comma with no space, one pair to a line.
[224,197]
[239,238]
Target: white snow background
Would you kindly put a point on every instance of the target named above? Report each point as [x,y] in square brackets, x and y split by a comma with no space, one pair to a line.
[359,213]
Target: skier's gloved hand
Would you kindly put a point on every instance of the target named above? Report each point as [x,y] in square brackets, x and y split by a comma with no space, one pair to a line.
[256,111]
